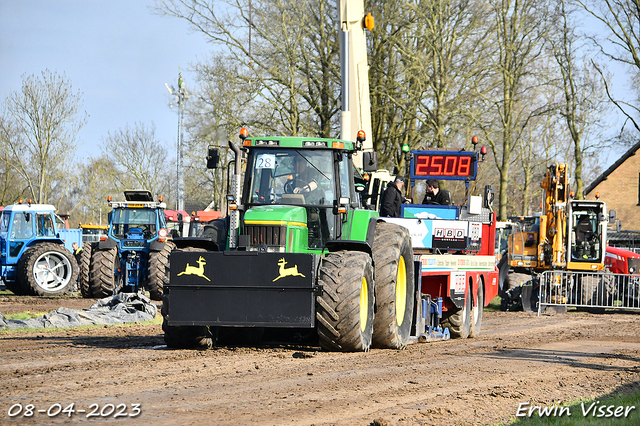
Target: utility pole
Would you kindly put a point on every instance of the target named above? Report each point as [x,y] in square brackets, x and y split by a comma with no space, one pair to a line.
[180,96]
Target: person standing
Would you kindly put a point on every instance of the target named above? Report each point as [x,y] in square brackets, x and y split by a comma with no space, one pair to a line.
[76,251]
[392,198]
[435,195]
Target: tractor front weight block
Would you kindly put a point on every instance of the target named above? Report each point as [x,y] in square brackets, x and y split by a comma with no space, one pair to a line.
[242,289]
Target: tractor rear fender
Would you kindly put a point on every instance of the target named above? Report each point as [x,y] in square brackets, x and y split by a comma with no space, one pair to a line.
[350,245]
[156,245]
[356,245]
[107,244]
[40,241]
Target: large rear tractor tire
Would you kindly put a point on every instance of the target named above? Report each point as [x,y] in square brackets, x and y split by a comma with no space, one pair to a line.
[85,270]
[459,320]
[184,337]
[47,269]
[345,309]
[103,266]
[394,286]
[476,312]
[159,271]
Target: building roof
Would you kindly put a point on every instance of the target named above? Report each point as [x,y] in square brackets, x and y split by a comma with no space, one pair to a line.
[631,152]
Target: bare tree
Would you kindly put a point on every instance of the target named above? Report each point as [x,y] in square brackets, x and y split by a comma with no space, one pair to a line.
[519,33]
[450,75]
[139,159]
[38,129]
[285,55]
[423,78]
[584,92]
[622,19]
[95,181]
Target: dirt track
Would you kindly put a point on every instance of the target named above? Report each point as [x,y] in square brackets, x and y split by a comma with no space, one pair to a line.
[519,358]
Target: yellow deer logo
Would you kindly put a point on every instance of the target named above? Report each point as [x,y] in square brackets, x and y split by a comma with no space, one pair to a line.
[287,272]
[195,270]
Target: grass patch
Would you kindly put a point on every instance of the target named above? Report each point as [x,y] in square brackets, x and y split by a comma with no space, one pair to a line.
[494,305]
[25,315]
[578,418]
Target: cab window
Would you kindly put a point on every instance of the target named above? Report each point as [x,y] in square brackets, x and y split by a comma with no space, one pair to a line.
[44,225]
[21,227]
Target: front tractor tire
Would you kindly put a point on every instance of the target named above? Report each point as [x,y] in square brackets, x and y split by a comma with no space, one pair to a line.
[84,282]
[459,320]
[159,270]
[103,266]
[345,309]
[394,286]
[47,269]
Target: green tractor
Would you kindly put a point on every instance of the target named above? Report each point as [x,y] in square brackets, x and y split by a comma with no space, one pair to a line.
[302,256]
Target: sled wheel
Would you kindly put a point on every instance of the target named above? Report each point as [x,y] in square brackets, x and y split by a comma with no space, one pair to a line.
[47,269]
[394,286]
[103,266]
[159,270]
[184,337]
[345,309]
[476,312]
[459,320]
[85,270]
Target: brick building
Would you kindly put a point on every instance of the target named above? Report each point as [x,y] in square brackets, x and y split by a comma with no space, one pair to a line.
[619,187]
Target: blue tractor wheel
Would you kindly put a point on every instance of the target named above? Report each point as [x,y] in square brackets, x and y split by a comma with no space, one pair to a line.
[104,265]
[47,269]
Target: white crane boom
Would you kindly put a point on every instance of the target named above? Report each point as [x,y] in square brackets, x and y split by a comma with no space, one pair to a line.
[356,105]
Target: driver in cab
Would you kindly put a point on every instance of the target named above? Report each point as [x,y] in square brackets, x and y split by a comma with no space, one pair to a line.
[303,181]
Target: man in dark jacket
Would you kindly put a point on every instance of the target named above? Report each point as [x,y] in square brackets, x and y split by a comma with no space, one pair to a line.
[435,195]
[392,198]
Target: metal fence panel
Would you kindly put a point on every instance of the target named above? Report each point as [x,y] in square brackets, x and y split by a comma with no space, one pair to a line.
[595,290]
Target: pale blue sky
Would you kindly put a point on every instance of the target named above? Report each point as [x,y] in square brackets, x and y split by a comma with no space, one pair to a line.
[119,55]
[116,52]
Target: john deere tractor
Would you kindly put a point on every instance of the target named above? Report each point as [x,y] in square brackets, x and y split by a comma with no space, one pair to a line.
[302,256]
[134,254]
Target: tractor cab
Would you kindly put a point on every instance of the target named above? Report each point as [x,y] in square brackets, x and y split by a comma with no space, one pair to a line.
[587,225]
[138,219]
[298,183]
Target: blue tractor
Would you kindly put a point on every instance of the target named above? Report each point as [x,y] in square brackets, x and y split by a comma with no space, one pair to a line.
[35,248]
[134,255]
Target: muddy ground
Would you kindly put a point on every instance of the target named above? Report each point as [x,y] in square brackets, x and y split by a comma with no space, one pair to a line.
[519,358]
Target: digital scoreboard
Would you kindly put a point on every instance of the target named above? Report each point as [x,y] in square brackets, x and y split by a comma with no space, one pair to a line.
[446,165]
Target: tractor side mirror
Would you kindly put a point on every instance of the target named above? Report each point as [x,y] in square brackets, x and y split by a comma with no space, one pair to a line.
[370,161]
[612,216]
[213,158]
